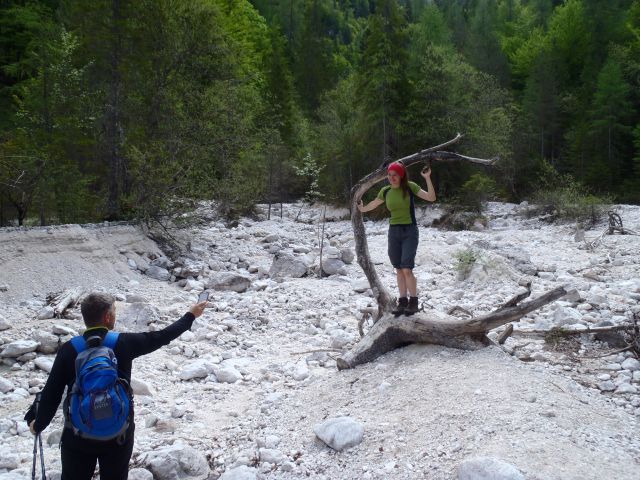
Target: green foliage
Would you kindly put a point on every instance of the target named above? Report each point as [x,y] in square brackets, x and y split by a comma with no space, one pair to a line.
[560,197]
[555,336]
[310,169]
[476,191]
[142,109]
[381,79]
[465,260]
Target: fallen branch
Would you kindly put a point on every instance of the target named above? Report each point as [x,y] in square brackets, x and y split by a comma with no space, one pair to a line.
[391,332]
[316,350]
[64,300]
[563,331]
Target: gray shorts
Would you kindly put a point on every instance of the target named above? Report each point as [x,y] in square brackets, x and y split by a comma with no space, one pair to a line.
[402,245]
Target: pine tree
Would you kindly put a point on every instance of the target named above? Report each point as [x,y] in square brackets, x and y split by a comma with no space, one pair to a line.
[381,78]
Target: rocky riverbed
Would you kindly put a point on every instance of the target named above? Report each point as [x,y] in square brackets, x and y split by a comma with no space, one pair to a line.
[252,392]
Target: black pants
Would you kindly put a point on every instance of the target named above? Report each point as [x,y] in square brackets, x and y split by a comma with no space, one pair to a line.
[79,458]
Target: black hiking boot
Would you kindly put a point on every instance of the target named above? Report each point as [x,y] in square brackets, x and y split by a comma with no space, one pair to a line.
[412,307]
[403,302]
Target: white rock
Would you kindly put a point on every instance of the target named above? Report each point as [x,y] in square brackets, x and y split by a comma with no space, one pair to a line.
[5,385]
[46,313]
[48,341]
[360,285]
[178,411]
[19,347]
[340,338]
[626,388]
[64,330]
[140,387]
[300,373]
[44,363]
[136,316]
[158,273]
[340,433]
[240,473]
[176,462]
[14,475]
[631,364]
[197,369]
[270,455]
[9,459]
[566,316]
[271,441]
[228,281]
[332,266]
[607,386]
[187,336]
[226,373]
[487,468]
[285,265]
[4,323]
[347,256]
[140,474]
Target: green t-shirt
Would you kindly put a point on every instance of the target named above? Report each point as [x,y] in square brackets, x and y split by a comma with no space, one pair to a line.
[399,206]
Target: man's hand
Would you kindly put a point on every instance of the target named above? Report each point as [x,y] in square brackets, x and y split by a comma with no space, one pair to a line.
[198,308]
[31,427]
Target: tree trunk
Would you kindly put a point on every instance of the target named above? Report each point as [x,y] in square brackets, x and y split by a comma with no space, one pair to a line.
[113,115]
[438,328]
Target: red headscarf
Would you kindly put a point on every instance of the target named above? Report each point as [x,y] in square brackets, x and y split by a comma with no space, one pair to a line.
[397,168]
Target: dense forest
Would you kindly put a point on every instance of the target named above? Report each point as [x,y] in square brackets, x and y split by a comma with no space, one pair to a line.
[136,109]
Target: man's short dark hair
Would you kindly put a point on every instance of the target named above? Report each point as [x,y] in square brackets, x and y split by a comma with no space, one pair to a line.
[94,306]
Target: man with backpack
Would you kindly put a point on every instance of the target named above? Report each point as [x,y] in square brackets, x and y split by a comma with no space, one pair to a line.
[96,369]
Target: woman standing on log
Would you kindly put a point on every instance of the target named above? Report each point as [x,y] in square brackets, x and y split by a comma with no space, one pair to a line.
[403,230]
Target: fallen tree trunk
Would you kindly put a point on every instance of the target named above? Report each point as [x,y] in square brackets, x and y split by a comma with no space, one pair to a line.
[433,327]
[65,300]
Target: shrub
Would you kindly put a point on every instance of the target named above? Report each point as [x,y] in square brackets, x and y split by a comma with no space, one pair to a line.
[476,191]
[466,259]
[561,197]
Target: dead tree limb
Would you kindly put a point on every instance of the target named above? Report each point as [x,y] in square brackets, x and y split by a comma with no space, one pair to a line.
[433,154]
[391,332]
[64,300]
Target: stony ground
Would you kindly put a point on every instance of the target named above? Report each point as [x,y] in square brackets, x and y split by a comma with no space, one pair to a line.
[257,373]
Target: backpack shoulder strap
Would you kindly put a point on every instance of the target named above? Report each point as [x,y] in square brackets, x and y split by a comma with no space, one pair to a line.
[110,339]
[79,343]
[386,191]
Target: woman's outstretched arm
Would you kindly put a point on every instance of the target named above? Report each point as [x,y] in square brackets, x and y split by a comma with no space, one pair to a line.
[375,203]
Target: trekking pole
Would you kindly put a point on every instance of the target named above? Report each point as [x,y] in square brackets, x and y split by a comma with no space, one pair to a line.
[35,455]
[37,441]
[44,476]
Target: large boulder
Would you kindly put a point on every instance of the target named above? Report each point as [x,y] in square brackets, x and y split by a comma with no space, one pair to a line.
[48,341]
[340,433]
[4,323]
[176,462]
[190,268]
[285,265]
[332,266]
[229,281]
[487,468]
[135,317]
[19,347]
[158,273]
[240,473]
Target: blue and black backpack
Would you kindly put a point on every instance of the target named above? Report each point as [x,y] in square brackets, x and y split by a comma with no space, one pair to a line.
[99,405]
